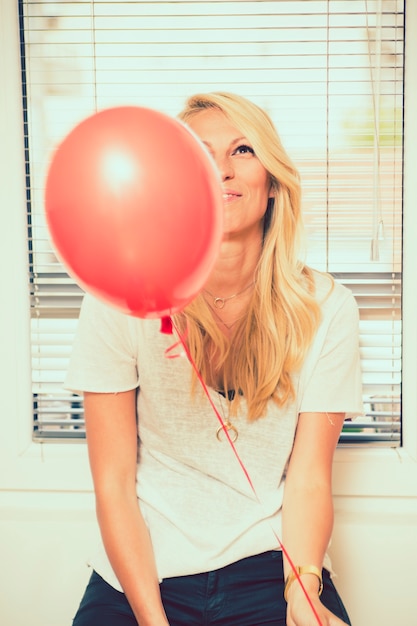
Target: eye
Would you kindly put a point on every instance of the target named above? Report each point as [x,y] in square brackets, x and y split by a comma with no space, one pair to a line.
[244,149]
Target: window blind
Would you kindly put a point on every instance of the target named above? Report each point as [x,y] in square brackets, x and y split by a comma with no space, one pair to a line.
[330,74]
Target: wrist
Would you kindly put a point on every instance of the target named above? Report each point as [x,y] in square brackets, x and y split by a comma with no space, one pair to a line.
[152,621]
[310,577]
[150,615]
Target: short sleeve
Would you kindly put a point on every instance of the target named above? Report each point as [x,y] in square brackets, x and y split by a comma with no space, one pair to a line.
[104,353]
[332,377]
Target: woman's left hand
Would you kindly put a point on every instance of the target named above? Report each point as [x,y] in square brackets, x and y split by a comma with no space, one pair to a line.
[300,612]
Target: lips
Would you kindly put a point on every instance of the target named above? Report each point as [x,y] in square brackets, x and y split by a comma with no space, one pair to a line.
[229,194]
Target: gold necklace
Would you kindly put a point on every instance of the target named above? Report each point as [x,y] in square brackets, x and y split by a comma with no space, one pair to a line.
[227,424]
[228,326]
[220,302]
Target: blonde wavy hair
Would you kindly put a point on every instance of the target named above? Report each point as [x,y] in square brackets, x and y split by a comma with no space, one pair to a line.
[270,343]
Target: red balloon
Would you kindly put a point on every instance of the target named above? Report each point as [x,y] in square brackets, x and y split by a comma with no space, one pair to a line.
[134,208]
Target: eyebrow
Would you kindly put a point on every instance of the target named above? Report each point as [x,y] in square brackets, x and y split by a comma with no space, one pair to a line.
[232,144]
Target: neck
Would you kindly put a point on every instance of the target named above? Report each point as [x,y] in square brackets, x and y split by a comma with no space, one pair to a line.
[235,268]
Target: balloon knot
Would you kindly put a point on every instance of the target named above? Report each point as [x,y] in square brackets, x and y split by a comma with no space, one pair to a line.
[166,325]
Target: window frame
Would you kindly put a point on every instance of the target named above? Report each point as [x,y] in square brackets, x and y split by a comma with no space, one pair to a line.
[55,296]
[61,466]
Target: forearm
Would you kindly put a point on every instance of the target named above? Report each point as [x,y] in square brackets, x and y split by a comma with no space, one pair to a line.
[113,461]
[128,545]
[307,526]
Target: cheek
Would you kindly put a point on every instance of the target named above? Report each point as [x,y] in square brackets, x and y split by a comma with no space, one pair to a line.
[262,188]
[258,183]
[262,183]
[257,179]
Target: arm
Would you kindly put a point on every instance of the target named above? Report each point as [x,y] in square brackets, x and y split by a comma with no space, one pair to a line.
[113,454]
[308,512]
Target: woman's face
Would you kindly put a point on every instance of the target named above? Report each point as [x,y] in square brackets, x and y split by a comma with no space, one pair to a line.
[245,182]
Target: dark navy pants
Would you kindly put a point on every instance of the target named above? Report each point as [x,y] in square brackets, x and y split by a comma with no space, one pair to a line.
[249,592]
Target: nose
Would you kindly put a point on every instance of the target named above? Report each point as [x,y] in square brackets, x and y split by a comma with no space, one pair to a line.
[225,168]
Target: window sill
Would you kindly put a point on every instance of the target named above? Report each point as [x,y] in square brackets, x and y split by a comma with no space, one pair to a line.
[378,472]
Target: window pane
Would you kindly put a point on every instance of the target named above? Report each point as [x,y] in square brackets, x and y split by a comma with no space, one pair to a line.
[331,76]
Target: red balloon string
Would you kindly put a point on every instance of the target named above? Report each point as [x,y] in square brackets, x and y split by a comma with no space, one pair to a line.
[182,342]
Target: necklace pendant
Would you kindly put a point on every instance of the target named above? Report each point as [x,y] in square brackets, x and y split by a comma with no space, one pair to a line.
[219,303]
[232,431]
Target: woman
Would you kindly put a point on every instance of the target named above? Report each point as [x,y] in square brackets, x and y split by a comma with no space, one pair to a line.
[201,523]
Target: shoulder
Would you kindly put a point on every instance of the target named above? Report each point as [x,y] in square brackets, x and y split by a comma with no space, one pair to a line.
[94,306]
[331,294]
[103,324]
[100,320]
[338,306]
[99,312]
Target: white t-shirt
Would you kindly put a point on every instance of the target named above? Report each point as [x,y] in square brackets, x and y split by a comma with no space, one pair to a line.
[200,507]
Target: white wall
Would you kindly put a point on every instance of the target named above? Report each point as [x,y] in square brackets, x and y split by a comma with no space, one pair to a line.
[47,527]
